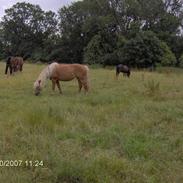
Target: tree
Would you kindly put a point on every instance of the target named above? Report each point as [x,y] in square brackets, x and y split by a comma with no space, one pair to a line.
[26,26]
[81,21]
[28,31]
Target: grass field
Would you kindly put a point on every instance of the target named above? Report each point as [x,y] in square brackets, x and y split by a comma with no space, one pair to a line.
[130,130]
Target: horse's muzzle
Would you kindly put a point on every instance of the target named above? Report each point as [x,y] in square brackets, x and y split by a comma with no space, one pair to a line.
[37,93]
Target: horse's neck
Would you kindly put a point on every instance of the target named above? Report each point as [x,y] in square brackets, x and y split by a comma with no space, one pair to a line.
[44,76]
[46,73]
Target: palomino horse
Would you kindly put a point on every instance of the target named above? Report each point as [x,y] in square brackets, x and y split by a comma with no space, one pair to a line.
[62,72]
[14,64]
[122,68]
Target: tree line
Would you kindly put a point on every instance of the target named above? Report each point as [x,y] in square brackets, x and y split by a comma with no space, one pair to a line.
[138,33]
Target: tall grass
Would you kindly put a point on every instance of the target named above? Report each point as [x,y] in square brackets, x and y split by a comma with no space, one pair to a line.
[116,133]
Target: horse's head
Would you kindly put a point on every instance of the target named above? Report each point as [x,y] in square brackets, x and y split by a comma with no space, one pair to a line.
[128,73]
[37,87]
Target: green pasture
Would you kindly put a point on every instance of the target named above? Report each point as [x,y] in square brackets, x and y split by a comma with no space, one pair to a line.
[122,131]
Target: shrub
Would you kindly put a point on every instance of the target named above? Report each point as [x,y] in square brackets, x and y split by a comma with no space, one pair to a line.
[168,58]
[181,61]
[94,51]
[111,59]
[142,51]
[104,49]
[55,54]
[121,41]
[37,54]
[152,87]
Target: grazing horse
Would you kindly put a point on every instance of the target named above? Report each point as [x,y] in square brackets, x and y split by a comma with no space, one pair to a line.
[62,72]
[122,68]
[14,64]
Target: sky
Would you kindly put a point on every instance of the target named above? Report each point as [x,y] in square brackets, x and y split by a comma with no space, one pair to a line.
[52,5]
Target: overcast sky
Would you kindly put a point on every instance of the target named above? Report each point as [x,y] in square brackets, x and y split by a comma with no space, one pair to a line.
[53,5]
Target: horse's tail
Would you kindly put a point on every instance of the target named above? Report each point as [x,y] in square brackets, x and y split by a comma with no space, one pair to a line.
[128,72]
[87,77]
[117,71]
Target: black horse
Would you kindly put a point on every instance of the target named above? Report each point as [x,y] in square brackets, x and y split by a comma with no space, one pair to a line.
[124,69]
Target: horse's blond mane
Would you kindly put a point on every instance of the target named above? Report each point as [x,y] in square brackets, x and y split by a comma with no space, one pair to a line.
[45,74]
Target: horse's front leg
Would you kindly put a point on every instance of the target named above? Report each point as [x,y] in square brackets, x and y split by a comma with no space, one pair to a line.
[12,70]
[117,74]
[85,84]
[125,74]
[58,85]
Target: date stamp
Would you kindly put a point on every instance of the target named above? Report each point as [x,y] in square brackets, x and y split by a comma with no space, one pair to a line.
[21,163]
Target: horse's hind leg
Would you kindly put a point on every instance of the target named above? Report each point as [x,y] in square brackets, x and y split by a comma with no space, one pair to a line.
[53,85]
[21,68]
[6,70]
[14,68]
[80,85]
[58,85]
[11,70]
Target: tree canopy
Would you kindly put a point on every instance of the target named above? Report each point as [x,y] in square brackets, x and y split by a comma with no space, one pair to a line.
[136,32]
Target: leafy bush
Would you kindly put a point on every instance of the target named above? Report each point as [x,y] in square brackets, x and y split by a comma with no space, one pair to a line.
[121,41]
[100,50]
[94,51]
[37,55]
[55,54]
[168,58]
[181,61]
[142,51]
[111,59]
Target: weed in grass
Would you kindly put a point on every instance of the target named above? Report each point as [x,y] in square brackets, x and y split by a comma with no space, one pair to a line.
[152,88]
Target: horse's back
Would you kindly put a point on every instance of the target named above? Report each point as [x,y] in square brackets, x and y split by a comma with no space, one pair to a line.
[73,67]
[17,60]
[70,71]
[122,67]
[20,60]
[80,70]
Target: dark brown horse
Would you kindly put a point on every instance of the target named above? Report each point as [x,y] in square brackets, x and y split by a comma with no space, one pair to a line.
[14,64]
[124,69]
